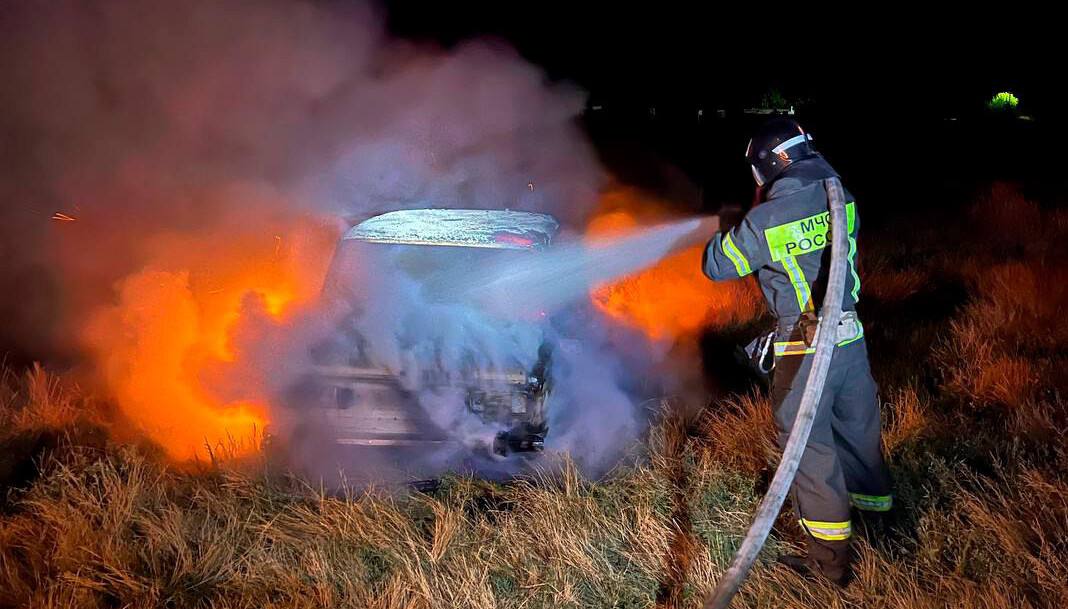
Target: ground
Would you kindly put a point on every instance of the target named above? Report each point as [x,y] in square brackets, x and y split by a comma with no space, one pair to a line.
[964,317]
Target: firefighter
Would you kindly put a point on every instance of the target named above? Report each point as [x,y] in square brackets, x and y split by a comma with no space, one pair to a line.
[785,241]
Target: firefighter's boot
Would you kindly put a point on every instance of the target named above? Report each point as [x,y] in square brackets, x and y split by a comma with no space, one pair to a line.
[832,559]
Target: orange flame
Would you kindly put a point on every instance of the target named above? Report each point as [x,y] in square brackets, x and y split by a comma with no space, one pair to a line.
[672,299]
[172,325]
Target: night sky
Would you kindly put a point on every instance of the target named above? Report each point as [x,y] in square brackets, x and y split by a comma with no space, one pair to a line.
[882,57]
[896,96]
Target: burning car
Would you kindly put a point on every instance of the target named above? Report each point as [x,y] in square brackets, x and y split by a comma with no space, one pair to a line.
[417,362]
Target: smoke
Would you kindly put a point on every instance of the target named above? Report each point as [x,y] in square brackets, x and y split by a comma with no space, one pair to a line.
[209,154]
[148,118]
[424,313]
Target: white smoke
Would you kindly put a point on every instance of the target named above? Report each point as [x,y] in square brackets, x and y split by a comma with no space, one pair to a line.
[427,312]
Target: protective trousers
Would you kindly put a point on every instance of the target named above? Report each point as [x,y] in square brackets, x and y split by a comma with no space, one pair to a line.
[843,463]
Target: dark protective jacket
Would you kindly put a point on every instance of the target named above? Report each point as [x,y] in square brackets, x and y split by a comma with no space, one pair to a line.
[785,241]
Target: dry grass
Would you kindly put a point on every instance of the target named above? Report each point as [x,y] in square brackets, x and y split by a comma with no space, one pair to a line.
[37,401]
[975,432]
[739,434]
[905,418]
[1006,347]
[100,529]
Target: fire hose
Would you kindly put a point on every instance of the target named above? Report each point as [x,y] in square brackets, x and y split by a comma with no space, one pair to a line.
[826,333]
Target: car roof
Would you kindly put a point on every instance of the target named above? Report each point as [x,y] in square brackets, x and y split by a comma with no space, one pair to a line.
[485,228]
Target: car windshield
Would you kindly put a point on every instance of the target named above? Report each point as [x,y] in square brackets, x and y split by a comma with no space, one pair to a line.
[478,228]
[437,255]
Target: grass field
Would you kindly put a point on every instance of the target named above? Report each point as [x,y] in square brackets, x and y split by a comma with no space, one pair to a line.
[965,320]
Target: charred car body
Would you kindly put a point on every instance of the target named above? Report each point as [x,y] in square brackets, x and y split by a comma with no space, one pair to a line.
[377,376]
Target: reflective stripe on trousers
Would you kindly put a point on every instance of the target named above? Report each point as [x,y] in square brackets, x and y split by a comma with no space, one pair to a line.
[827,531]
[872,503]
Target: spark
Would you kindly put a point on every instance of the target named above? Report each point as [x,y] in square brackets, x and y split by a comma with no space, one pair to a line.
[62,217]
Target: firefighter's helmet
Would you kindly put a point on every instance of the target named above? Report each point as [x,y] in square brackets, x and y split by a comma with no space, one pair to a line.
[779,143]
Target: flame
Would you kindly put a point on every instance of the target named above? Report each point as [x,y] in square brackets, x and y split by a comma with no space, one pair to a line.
[174,324]
[672,299]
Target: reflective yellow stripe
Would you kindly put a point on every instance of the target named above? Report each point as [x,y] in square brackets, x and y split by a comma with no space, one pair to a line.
[851,221]
[872,503]
[830,531]
[792,347]
[797,347]
[741,264]
[797,278]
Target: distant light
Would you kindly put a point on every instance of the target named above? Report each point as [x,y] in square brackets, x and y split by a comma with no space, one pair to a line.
[1003,101]
[597,107]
